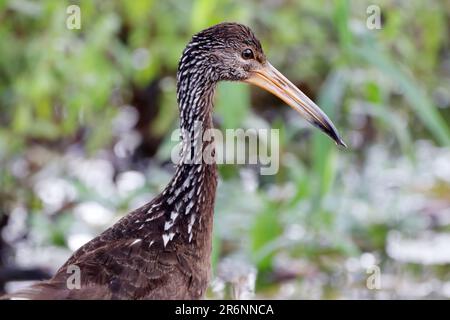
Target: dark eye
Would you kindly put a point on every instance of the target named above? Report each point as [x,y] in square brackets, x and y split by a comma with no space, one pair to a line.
[247,54]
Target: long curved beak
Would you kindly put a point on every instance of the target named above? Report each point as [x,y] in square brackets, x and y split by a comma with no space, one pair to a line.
[272,80]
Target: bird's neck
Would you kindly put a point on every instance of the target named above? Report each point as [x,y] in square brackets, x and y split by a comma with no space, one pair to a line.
[191,192]
[195,94]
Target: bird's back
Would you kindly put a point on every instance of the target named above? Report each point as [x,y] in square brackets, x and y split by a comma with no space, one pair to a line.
[128,261]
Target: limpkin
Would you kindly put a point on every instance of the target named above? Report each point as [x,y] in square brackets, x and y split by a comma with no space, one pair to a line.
[162,250]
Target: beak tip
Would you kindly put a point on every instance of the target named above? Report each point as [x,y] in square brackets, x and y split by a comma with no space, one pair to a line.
[340,142]
[332,132]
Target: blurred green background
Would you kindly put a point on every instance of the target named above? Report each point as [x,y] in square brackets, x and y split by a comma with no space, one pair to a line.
[86,118]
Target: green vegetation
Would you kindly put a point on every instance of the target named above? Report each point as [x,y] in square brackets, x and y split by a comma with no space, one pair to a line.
[90,112]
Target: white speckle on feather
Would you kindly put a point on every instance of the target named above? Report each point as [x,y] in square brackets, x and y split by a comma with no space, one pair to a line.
[155,216]
[173,215]
[168,225]
[187,182]
[191,223]
[136,241]
[153,206]
[189,207]
[167,237]
[170,200]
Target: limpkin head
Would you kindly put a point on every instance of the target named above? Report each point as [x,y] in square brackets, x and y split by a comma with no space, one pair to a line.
[231,52]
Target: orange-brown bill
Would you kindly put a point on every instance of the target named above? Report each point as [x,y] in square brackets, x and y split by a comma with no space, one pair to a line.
[272,80]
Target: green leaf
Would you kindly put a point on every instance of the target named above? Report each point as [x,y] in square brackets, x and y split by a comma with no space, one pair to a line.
[265,230]
[413,93]
[233,101]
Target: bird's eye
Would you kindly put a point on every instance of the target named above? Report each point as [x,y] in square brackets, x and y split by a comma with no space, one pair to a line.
[247,54]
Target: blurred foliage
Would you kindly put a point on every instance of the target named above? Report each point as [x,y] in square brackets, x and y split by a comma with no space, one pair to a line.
[63,92]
